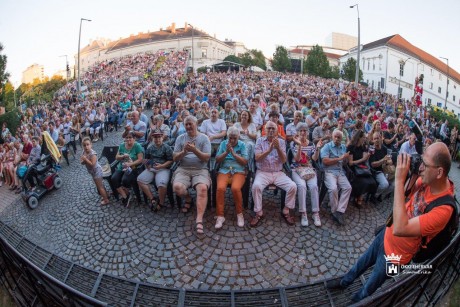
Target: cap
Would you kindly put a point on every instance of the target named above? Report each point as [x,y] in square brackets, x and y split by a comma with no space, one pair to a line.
[157,132]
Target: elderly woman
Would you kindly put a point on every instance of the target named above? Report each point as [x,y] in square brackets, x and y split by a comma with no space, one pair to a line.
[274,107]
[179,127]
[233,157]
[203,113]
[304,151]
[247,129]
[130,154]
[159,158]
[291,128]
[157,122]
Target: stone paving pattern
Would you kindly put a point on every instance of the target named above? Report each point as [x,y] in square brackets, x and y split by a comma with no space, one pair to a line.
[163,248]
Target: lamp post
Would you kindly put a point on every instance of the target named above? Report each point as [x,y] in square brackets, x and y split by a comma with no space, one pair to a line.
[66,66]
[447,85]
[78,70]
[193,53]
[401,63]
[359,47]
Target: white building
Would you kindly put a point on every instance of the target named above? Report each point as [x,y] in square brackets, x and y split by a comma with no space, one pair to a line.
[392,64]
[204,49]
[33,72]
[333,54]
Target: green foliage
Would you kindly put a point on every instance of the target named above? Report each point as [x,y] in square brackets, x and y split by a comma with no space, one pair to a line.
[3,75]
[8,96]
[258,59]
[440,114]
[281,60]
[246,60]
[317,63]
[43,91]
[233,58]
[202,69]
[334,72]
[11,119]
[349,70]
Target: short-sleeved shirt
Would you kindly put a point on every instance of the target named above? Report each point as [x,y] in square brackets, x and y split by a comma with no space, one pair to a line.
[291,130]
[139,127]
[431,223]
[159,155]
[272,162]
[252,129]
[330,150]
[230,117]
[133,152]
[211,128]
[230,164]
[190,160]
[388,136]
[378,155]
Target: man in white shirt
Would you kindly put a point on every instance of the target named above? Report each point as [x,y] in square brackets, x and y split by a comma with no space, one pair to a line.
[215,128]
[408,147]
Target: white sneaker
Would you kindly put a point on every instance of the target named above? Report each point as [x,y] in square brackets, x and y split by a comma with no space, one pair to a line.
[316,219]
[240,220]
[220,221]
[304,220]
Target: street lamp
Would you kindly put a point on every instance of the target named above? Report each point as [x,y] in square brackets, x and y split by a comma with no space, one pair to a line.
[67,71]
[359,47]
[447,85]
[401,69]
[193,54]
[78,70]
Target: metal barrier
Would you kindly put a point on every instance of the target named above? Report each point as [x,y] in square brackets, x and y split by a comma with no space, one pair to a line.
[36,277]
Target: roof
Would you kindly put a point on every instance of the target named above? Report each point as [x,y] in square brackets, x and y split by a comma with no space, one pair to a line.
[144,38]
[306,52]
[94,45]
[399,43]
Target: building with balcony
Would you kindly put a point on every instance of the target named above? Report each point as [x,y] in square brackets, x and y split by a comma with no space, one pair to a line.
[392,64]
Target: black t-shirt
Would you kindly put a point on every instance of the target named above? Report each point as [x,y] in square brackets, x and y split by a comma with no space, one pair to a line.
[378,155]
[388,136]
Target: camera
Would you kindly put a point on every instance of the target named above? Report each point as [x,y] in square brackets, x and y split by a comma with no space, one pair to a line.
[415,161]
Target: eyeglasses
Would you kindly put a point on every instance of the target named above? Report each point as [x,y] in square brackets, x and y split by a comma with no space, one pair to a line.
[271,128]
[427,165]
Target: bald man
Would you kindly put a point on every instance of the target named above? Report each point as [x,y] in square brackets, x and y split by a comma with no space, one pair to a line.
[411,222]
[138,126]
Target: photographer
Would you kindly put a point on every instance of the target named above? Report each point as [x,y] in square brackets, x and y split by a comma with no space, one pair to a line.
[410,222]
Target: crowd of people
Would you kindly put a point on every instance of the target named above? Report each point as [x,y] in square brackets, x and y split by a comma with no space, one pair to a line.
[316,126]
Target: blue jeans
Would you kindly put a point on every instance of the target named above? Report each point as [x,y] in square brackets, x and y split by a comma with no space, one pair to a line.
[373,256]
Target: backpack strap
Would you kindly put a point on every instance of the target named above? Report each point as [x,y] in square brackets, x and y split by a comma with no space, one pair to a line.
[441,201]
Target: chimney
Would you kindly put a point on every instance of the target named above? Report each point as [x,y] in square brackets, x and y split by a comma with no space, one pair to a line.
[173,28]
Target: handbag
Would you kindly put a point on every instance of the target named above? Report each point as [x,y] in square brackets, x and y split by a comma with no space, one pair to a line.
[305,172]
[362,170]
[389,170]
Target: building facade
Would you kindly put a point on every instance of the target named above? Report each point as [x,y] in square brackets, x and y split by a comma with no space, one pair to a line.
[392,64]
[333,55]
[341,41]
[32,72]
[204,49]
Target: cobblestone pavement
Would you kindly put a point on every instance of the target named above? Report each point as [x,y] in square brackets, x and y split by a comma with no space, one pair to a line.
[162,248]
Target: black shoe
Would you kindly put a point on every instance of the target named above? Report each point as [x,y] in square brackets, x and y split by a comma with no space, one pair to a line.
[335,284]
[111,129]
[124,201]
[338,217]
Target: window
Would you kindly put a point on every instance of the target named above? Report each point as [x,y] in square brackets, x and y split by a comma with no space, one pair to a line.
[429,101]
[440,77]
[368,65]
[432,72]
[204,53]
[431,85]
[453,98]
[439,90]
[401,69]
[378,85]
[373,66]
[455,86]
[400,92]
[382,82]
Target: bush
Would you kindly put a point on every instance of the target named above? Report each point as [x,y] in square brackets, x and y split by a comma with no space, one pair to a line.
[439,114]
[11,119]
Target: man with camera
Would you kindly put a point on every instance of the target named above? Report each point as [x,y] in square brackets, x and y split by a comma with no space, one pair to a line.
[410,223]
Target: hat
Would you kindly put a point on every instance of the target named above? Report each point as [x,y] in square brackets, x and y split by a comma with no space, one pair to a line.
[157,132]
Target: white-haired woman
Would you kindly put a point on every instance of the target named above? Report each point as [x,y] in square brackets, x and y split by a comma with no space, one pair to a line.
[233,157]
[304,151]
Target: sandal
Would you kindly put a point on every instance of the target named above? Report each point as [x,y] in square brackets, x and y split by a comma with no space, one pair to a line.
[154,206]
[289,219]
[187,206]
[199,227]
[255,221]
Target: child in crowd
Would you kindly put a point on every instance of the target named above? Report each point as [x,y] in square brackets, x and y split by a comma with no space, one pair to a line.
[89,159]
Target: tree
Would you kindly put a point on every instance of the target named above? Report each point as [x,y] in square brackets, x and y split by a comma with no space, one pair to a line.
[246,60]
[258,59]
[3,74]
[281,60]
[317,63]
[349,70]
[334,72]
[233,58]
[8,96]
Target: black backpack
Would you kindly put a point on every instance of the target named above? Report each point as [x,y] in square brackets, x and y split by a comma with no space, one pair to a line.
[443,238]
